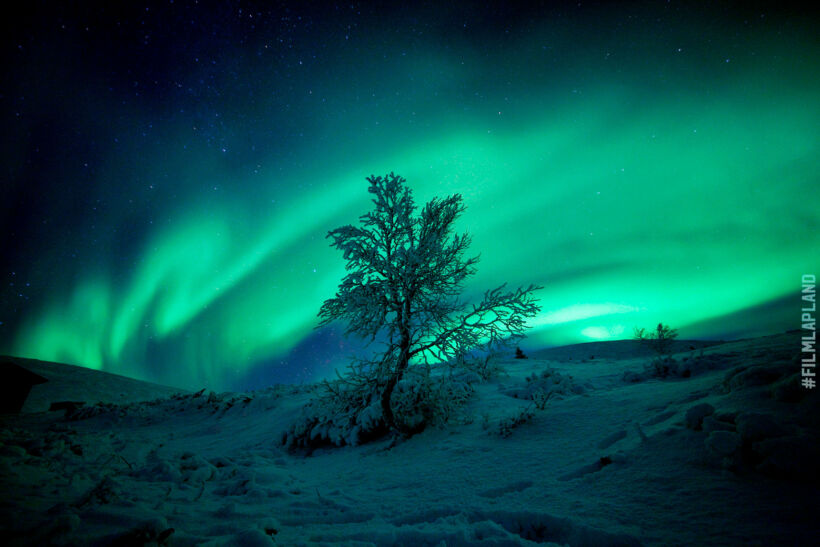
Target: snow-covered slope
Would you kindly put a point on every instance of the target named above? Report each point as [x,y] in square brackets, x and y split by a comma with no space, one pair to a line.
[72,383]
[725,454]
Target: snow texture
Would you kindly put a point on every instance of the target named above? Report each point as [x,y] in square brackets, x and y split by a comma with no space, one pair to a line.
[727,456]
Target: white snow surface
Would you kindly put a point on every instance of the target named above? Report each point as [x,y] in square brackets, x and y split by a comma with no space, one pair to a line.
[615,463]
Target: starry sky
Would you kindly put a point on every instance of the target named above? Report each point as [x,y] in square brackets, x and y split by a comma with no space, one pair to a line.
[170,170]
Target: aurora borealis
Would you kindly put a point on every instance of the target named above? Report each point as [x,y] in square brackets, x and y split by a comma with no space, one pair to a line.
[171,170]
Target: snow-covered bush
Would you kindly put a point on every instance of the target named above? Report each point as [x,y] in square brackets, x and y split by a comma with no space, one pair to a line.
[507,425]
[541,399]
[663,368]
[336,418]
[671,368]
[350,413]
[545,385]
[84,412]
[422,399]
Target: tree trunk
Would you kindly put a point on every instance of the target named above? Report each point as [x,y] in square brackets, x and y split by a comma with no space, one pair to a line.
[401,366]
[394,379]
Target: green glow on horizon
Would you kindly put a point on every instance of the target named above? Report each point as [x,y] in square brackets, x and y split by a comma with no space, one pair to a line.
[605,333]
[629,206]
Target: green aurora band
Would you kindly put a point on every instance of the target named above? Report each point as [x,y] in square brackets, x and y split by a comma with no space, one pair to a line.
[630,201]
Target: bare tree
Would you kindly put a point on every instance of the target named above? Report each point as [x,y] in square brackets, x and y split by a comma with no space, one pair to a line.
[405,275]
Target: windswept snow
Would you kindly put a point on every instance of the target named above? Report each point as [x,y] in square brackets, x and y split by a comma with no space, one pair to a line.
[72,383]
[725,456]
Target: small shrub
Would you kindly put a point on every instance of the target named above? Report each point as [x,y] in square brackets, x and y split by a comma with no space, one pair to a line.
[549,382]
[507,425]
[670,368]
[660,340]
[662,368]
[663,365]
[519,354]
[541,398]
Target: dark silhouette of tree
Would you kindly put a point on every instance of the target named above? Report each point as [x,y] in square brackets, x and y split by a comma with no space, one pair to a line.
[660,340]
[404,277]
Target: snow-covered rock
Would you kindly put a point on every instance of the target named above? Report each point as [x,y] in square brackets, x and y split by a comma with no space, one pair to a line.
[696,414]
[711,423]
[793,457]
[723,443]
[756,426]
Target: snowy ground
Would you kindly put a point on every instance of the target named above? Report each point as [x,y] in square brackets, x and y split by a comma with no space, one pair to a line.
[725,454]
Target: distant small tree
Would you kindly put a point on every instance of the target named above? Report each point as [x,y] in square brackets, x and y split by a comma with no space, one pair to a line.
[519,354]
[660,340]
[405,275]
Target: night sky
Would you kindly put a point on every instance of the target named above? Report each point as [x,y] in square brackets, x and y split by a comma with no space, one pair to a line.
[170,170]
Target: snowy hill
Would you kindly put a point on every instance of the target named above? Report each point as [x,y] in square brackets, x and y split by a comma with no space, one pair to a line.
[614,349]
[72,383]
[721,451]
